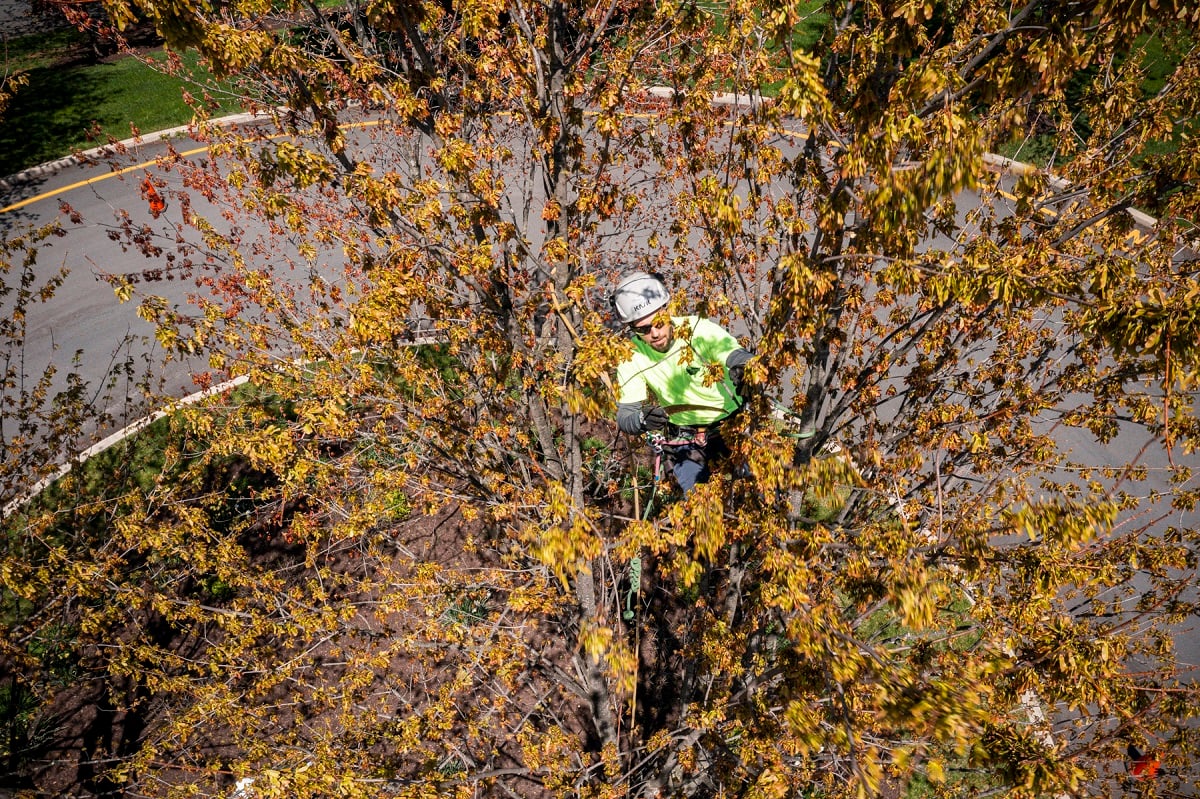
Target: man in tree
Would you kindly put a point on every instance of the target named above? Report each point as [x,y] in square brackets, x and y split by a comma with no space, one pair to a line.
[684,375]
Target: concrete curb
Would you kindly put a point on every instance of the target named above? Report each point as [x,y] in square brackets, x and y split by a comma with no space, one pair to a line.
[51,168]
[139,425]
[115,438]
[1008,165]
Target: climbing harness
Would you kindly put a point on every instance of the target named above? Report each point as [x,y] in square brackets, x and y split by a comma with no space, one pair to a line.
[685,442]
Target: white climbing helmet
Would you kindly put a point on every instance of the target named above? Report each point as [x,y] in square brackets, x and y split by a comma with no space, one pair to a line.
[638,295]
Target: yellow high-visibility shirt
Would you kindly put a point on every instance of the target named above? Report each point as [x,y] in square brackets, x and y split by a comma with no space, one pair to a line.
[676,378]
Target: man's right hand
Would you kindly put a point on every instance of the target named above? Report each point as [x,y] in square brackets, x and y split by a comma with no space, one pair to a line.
[654,419]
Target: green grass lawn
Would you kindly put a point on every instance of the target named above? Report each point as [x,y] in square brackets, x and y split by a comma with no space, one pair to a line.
[74,102]
[1158,60]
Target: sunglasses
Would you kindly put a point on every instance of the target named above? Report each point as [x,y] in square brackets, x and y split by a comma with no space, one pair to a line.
[642,330]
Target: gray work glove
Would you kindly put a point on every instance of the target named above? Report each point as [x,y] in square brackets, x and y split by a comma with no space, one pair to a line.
[654,419]
[736,373]
[735,366]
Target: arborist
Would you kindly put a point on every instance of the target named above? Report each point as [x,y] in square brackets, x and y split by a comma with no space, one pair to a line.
[682,380]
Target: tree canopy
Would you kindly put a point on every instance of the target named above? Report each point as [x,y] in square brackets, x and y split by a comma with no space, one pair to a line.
[416,559]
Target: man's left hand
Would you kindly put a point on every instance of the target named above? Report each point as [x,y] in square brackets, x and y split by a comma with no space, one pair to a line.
[655,419]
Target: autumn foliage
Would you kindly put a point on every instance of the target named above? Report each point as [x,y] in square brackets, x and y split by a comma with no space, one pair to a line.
[399,563]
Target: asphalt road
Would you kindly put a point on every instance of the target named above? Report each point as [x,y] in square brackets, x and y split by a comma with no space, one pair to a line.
[87,317]
[17,18]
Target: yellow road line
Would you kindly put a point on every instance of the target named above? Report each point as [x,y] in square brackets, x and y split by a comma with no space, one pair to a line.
[80,184]
[143,165]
